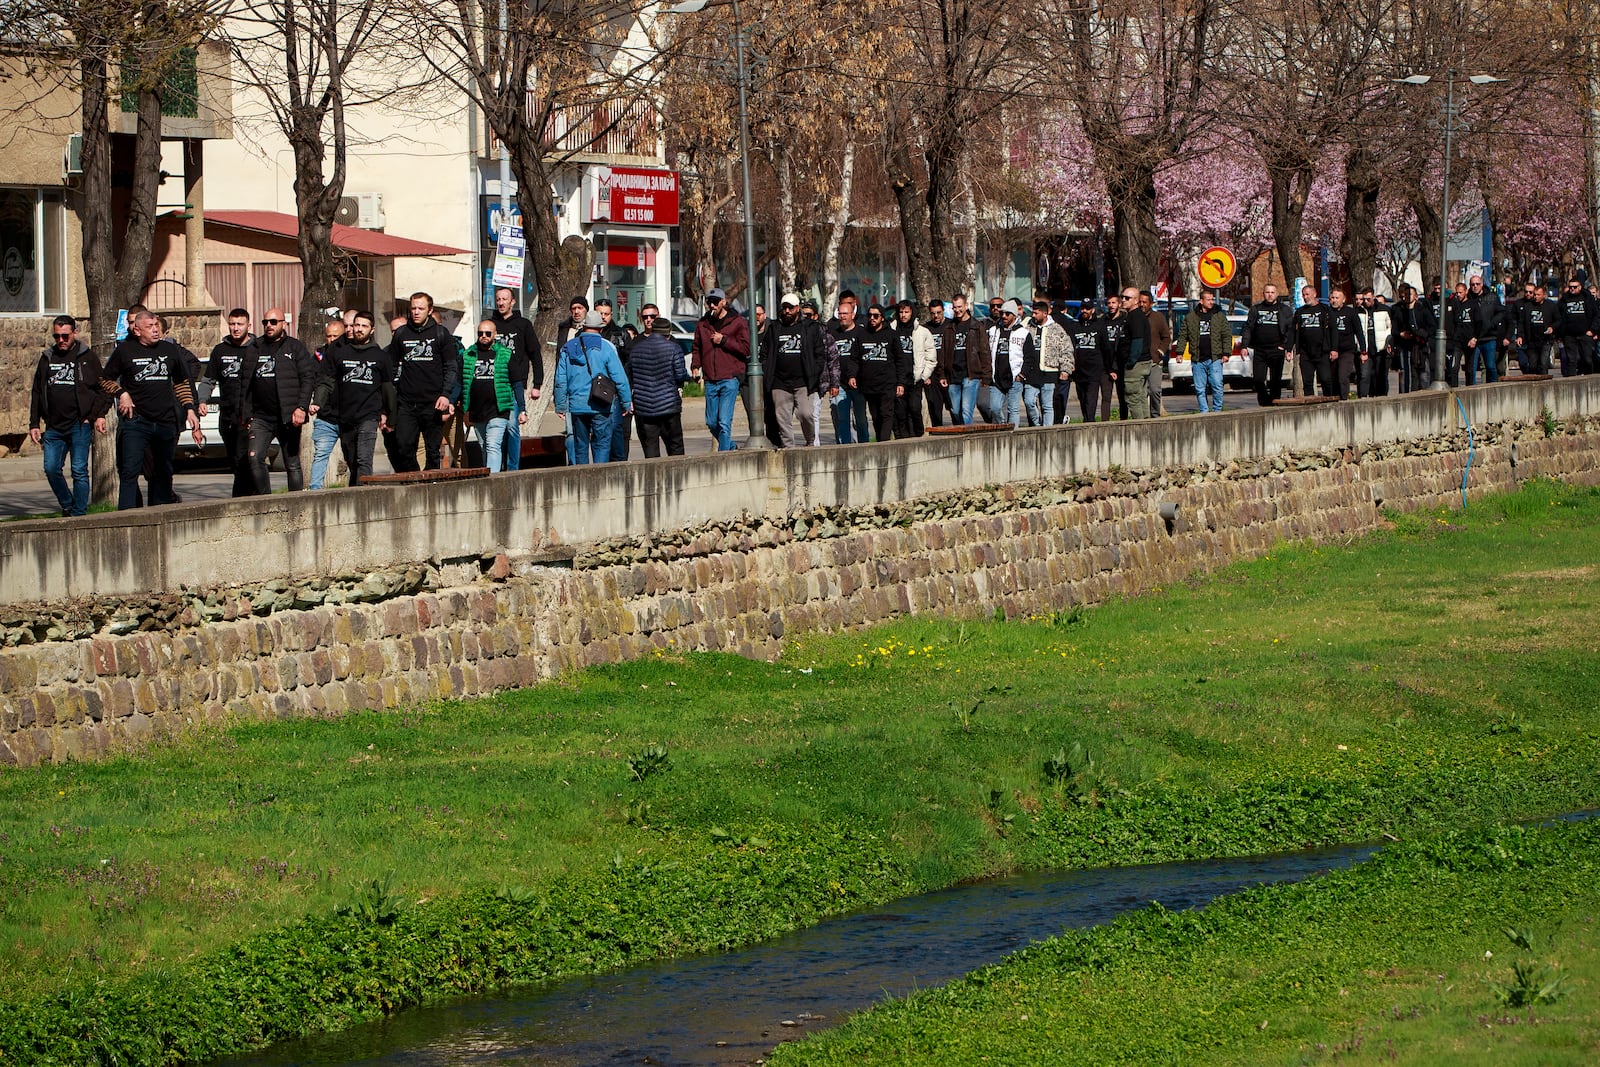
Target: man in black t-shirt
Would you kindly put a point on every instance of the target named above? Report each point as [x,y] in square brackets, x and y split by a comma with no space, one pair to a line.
[148,380]
[65,408]
[355,394]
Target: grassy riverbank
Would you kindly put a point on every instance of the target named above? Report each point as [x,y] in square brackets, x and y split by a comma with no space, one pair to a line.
[1471,948]
[1438,674]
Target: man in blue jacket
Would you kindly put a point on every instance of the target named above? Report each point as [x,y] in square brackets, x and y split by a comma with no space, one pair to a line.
[590,417]
[656,373]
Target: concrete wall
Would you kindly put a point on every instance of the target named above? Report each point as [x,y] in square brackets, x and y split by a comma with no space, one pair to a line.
[345,530]
[76,699]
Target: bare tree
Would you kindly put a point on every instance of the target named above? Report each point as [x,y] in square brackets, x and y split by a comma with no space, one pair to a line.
[1299,71]
[552,79]
[1137,76]
[298,54]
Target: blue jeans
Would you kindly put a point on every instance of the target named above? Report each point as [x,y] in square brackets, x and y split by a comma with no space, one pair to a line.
[324,438]
[493,438]
[134,436]
[1014,402]
[992,405]
[720,399]
[1208,384]
[850,411]
[963,398]
[1040,401]
[590,437]
[57,445]
[512,454]
[1485,352]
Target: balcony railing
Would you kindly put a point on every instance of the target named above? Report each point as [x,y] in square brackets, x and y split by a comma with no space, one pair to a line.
[608,128]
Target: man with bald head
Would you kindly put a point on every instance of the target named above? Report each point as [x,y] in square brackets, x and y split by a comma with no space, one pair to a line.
[278,376]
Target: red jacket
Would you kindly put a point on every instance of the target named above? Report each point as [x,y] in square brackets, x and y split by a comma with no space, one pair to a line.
[717,363]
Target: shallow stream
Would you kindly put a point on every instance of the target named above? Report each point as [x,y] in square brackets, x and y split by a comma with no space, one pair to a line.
[733,1007]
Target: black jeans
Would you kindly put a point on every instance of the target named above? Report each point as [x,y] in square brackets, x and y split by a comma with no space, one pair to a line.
[263,429]
[881,405]
[412,421]
[938,401]
[1318,367]
[1347,373]
[136,435]
[356,441]
[237,447]
[1094,395]
[1267,369]
[656,430]
[908,413]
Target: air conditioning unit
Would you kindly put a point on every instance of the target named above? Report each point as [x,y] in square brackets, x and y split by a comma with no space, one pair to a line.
[361,210]
[72,159]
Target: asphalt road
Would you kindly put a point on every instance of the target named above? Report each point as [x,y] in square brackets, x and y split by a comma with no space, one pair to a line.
[24,492]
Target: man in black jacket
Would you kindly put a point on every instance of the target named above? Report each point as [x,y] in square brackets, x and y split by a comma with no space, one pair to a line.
[622,425]
[1411,331]
[1268,336]
[1577,320]
[1535,329]
[276,381]
[1312,330]
[1485,312]
[792,355]
[1349,346]
[876,368]
[527,366]
[150,384]
[355,393]
[222,383]
[65,408]
[427,367]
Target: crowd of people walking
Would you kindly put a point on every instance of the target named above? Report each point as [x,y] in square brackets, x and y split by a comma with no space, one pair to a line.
[881,372]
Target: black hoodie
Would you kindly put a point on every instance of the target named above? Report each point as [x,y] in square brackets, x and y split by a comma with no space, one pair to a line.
[66,389]
[224,373]
[357,383]
[427,364]
[875,361]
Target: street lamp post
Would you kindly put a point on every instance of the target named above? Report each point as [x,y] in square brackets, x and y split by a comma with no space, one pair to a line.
[1439,342]
[758,407]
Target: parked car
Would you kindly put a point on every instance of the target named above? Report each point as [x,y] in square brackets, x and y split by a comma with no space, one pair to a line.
[1236,369]
[211,449]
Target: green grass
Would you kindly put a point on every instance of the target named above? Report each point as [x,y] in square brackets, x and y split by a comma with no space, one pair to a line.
[1438,674]
[1408,958]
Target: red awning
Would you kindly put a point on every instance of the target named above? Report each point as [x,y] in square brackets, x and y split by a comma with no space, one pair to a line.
[345,238]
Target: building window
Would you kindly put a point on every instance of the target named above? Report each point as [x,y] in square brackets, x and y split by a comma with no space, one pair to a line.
[32,254]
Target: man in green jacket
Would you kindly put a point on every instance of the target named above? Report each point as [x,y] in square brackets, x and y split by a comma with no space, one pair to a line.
[1209,339]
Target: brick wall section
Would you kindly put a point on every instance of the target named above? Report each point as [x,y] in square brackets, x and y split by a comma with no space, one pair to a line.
[78,699]
[22,339]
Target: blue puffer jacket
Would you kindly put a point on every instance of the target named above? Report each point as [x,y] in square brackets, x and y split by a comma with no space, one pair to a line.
[581,359]
[656,363]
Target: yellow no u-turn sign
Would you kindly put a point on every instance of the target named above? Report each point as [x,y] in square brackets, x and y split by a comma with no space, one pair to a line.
[1216,267]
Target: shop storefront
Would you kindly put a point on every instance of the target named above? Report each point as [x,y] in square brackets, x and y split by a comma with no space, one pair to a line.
[627,214]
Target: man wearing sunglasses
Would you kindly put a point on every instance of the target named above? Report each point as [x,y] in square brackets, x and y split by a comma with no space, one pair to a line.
[276,381]
[876,368]
[1577,319]
[720,357]
[66,407]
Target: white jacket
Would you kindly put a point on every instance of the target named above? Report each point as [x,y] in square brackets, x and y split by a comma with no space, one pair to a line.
[1055,349]
[924,361]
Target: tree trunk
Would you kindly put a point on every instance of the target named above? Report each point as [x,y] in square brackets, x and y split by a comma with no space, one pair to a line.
[787,280]
[1359,246]
[1133,216]
[316,203]
[839,227]
[1291,188]
[947,267]
[969,241]
[113,281]
[1428,233]
[913,208]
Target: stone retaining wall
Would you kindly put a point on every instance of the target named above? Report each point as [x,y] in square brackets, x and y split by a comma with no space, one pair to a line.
[77,699]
